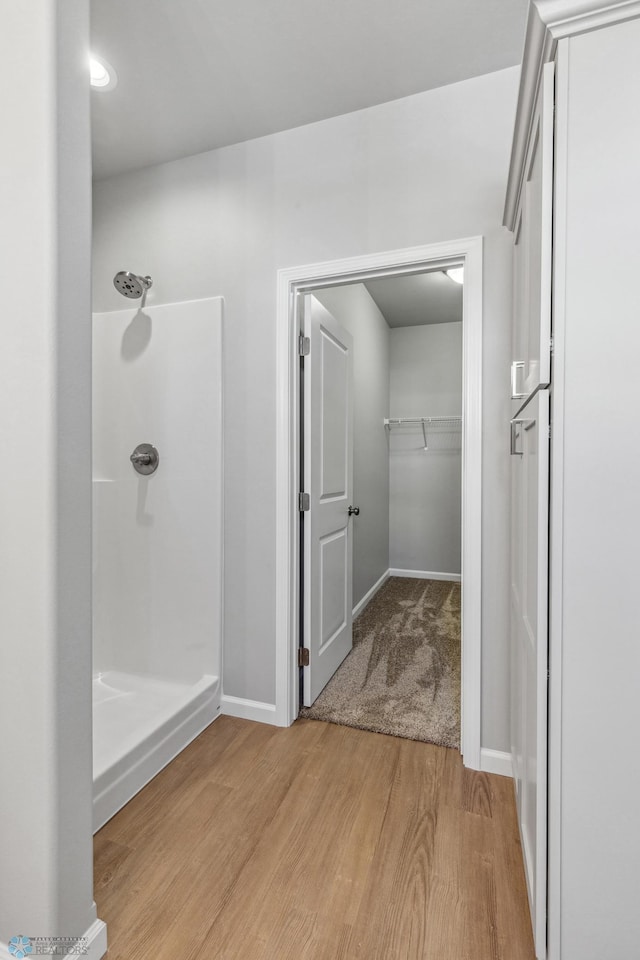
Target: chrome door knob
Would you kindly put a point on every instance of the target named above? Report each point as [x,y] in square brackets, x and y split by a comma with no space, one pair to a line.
[355,511]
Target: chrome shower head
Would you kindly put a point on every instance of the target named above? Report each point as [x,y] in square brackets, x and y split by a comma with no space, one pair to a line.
[131,285]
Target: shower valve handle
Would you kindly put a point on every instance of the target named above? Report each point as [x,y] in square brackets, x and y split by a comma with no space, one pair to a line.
[145,459]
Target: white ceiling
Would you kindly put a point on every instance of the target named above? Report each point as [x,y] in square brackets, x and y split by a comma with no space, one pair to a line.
[194,75]
[416,300]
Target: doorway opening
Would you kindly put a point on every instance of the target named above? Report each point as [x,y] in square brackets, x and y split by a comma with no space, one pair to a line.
[381,423]
[294,463]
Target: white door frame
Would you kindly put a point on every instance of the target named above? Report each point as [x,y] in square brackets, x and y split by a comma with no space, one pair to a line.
[294,281]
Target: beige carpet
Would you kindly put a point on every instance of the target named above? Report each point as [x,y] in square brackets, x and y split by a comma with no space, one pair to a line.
[403,675]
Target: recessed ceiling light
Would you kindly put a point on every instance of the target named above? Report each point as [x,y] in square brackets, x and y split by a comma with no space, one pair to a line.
[456,274]
[103,76]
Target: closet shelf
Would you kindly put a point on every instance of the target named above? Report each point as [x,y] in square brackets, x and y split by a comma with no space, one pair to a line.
[424,422]
[390,421]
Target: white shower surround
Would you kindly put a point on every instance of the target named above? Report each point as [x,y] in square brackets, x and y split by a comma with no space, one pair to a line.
[157,552]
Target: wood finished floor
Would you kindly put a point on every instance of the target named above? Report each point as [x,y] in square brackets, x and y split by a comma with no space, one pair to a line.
[319,842]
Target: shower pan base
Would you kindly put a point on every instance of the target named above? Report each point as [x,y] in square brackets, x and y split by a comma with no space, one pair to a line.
[139,725]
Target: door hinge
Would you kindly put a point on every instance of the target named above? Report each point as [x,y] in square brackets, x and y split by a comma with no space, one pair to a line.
[304,346]
[303,502]
[303,656]
[549,431]
[551,345]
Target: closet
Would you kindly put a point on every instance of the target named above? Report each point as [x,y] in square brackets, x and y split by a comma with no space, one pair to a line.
[383,430]
[572,204]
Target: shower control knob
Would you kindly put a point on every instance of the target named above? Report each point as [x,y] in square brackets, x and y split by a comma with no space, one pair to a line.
[145,459]
[355,511]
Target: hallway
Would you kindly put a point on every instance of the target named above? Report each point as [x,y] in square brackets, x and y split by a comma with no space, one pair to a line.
[316,841]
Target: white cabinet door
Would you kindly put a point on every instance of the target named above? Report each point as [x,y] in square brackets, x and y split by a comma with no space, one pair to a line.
[531,333]
[328,471]
[529,644]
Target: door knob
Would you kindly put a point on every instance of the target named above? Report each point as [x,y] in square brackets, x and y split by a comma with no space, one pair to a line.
[355,511]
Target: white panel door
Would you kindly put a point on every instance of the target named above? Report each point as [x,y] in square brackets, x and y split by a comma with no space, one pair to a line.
[328,471]
[529,639]
[531,367]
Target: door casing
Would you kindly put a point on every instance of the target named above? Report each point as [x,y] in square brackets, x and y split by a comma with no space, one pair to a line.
[292,284]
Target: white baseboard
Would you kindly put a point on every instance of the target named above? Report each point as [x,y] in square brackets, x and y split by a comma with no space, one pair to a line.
[94,945]
[249,709]
[496,761]
[424,575]
[370,594]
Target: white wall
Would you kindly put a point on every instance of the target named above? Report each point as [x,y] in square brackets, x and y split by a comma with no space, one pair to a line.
[426,485]
[355,309]
[157,539]
[45,485]
[423,169]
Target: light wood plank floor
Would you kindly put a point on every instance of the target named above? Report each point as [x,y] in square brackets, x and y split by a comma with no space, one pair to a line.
[317,842]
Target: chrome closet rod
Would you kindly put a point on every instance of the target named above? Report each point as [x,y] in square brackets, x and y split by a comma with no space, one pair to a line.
[390,420]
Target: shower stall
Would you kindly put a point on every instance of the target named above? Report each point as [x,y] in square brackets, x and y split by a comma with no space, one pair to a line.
[157,514]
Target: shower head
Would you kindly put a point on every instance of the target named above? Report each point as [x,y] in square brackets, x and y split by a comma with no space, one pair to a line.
[131,285]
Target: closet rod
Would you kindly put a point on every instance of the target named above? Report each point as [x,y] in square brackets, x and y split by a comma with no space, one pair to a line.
[388,421]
